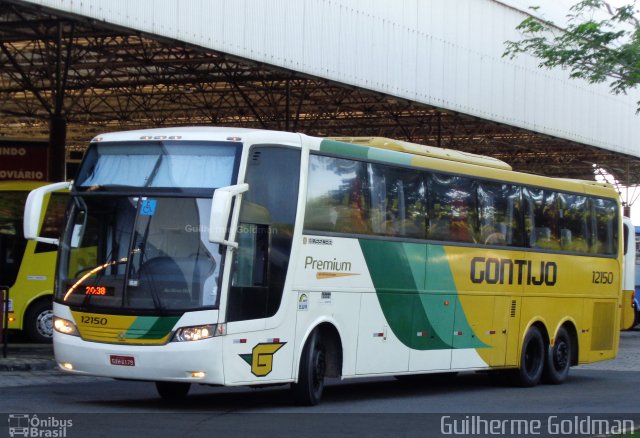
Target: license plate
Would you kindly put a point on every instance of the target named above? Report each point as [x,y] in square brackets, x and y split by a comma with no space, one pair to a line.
[124,361]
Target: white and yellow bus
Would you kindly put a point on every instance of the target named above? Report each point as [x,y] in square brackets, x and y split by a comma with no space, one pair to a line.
[26,267]
[228,256]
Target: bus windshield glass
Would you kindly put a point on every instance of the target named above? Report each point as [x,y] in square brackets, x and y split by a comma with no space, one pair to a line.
[138,253]
[159,164]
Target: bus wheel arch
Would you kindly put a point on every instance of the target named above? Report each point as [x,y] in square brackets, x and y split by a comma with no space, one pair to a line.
[321,357]
[38,319]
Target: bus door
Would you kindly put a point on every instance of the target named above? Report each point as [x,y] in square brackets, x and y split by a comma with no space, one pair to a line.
[259,345]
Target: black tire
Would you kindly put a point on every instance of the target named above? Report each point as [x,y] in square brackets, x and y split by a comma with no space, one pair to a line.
[173,391]
[556,369]
[38,322]
[308,390]
[532,360]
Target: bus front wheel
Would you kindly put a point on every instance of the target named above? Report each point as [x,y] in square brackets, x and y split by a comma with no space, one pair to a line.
[173,391]
[532,359]
[308,390]
[556,370]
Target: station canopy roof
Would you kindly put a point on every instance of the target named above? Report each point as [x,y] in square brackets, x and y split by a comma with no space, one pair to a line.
[103,78]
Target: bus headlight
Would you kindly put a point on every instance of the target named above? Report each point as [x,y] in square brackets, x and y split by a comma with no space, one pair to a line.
[64,326]
[196,333]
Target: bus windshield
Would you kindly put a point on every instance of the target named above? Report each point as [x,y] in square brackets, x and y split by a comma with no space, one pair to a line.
[137,234]
[138,253]
[165,164]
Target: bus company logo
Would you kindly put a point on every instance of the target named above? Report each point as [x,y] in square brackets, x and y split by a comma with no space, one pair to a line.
[507,271]
[261,357]
[27,425]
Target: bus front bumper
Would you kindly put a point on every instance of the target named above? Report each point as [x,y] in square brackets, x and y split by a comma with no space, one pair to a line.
[194,361]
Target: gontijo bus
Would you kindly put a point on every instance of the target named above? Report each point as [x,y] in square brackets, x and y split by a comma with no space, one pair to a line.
[246,257]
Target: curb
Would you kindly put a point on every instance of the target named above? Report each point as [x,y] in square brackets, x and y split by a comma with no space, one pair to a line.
[21,365]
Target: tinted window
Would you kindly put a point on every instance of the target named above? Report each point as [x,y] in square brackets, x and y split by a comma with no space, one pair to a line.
[397,202]
[541,218]
[452,209]
[499,210]
[337,196]
[606,226]
[575,234]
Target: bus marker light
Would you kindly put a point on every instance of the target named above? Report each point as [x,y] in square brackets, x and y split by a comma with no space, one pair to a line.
[67,366]
[273,340]
[491,332]
[240,341]
[457,333]
[378,335]
[198,374]
[11,319]
[421,334]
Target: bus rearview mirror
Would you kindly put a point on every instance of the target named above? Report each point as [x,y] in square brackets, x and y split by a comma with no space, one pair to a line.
[33,211]
[220,211]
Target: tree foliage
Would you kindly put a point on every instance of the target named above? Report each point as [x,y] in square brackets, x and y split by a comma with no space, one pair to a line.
[599,43]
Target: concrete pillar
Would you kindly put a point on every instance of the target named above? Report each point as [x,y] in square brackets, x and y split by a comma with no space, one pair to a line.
[57,141]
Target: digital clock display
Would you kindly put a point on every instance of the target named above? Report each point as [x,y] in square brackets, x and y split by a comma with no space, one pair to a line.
[105,291]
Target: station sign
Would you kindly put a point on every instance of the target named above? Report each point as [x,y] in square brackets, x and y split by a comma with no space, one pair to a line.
[23,160]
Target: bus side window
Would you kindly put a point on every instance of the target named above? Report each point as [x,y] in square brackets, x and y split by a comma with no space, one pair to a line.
[605,227]
[338,196]
[574,223]
[452,209]
[541,218]
[499,214]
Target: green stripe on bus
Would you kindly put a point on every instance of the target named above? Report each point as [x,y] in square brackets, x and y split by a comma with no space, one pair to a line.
[151,327]
[396,272]
[345,149]
[390,156]
[440,279]
[417,294]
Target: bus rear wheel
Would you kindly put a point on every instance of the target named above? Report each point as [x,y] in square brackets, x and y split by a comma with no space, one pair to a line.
[173,391]
[556,369]
[38,322]
[310,386]
[532,359]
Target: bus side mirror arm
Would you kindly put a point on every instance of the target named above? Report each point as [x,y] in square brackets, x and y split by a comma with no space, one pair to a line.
[220,211]
[33,211]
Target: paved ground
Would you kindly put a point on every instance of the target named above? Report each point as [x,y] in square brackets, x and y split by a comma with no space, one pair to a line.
[628,358]
[33,364]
